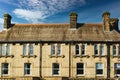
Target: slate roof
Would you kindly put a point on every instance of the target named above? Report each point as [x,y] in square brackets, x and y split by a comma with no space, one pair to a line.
[58,32]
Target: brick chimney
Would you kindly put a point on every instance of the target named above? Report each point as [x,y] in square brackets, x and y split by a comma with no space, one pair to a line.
[7,21]
[106,21]
[73,20]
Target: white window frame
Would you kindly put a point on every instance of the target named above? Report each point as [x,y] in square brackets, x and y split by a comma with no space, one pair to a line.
[77,49]
[116,69]
[102,49]
[53,69]
[31,48]
[80,69]
[4,68]
[55,48]
[8,49]
[97,69]
[25,49]
[3,49]
[27,69]
[58,46]
[28,49]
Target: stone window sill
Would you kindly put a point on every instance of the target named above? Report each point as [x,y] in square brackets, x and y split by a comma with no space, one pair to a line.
[81,56]
[100,56]
[56,56]
[6,56]
[29,56]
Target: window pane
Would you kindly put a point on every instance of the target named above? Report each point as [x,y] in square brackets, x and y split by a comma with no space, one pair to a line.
[95,49]
[27,68]
[5,68]
[53,49]
[80,68]
[117,68]
[8,49]
[114,50]
[58,49]
[99,71]
[77,49]
[101,49]
[99,68]
[3,49]
[83,49]
[31,49]
[24,49]
[55,69]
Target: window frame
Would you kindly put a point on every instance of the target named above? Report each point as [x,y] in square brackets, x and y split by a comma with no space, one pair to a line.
[54,69]
[2,69]
[3,49]
[25,49]
[30,69]
[116,69]
[119,50]
[77,49]
[96,49]
[83,49]
[99,69]
[83,69]
[8,49]
[52,49]
[31,49]
[114,50]
[58,49]
[102,50]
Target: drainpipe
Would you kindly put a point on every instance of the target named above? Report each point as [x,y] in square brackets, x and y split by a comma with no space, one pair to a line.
[108,61]
[70,60]
[40,60]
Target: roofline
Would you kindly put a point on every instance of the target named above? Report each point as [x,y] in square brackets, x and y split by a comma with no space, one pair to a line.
[72,41]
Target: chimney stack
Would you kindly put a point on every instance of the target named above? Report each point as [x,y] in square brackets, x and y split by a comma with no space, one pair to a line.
[73,20]
[7,21]
[106,21]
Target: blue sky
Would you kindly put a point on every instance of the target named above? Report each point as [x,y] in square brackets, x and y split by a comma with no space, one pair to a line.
[57,11]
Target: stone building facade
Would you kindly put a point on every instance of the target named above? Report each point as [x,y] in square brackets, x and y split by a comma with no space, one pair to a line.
[60,51]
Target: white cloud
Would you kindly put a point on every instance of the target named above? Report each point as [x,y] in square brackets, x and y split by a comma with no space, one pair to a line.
[35,10]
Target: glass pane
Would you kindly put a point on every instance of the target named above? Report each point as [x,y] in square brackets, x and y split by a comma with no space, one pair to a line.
[58,49]
[3,49]
[80,72]
[24,49]
[55,68]
[101,49]
[80,65]
[8,49]
[31,49]
[99,71]
[118,71]
[83,49]
[5,68]
[114,50]
[27,67]
[99,66]
[77,49]
[56,72]
[96,49]
[52,49]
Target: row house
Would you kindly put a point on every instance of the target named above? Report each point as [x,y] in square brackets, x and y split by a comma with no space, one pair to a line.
[60,51]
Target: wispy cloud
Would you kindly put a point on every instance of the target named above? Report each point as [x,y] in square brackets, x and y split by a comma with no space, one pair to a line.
[40,9]
[11,2]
